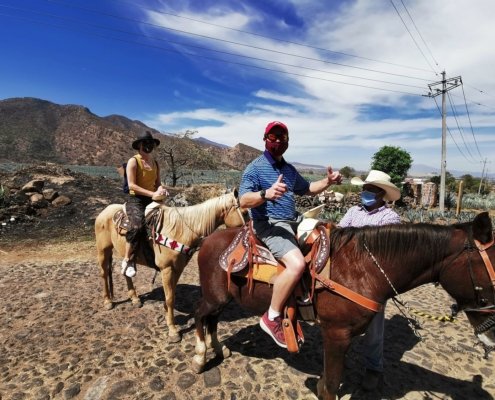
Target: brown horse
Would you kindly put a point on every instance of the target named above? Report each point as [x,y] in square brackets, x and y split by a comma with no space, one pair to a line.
[375,262]
[185,225]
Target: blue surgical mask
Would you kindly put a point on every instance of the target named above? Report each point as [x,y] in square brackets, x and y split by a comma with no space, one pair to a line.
[368,199]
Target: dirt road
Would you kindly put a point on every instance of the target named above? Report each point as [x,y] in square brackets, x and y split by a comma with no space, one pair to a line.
[56,342]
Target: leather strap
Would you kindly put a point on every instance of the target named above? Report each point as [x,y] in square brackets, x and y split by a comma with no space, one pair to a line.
[486,260]
[350,294]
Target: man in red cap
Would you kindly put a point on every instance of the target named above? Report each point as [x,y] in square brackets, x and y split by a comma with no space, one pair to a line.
[268,188]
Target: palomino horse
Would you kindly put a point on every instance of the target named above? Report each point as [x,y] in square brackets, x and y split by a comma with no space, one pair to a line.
[375,262]
[183,225]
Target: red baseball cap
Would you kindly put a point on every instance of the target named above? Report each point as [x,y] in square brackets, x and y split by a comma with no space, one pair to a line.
[273,124]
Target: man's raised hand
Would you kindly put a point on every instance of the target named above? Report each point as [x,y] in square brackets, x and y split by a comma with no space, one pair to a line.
[278,189]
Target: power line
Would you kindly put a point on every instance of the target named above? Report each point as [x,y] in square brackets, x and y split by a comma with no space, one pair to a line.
[235,43]
[419,33]
[481,91]
[208,49]
[217,59]
[272,37]
[450,133]
[454,113]
[469,118]
[412,37]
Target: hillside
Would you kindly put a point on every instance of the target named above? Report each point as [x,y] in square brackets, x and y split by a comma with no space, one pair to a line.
[34,130]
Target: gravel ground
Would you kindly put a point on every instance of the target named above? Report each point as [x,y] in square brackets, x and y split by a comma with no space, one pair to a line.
[57,342]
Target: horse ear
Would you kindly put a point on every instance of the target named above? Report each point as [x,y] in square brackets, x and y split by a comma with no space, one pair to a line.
[482,228]
[236,193]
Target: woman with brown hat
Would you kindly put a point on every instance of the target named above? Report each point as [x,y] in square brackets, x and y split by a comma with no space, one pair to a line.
[143,178]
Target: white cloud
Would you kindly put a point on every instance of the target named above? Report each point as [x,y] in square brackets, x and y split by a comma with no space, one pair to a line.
[322,116]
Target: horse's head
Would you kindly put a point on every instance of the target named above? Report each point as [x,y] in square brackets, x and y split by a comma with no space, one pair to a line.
[234,215]
[475,291]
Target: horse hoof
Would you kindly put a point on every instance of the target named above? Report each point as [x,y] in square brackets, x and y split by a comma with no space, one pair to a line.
[108,306]
[137,304]
[197,366]
[226,353]
[175,338]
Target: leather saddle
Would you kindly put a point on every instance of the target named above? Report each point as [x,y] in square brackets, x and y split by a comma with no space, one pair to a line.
[153,217]
[248,257]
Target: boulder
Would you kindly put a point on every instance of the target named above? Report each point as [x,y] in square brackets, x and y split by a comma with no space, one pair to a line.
[50,194]
[36,185]
[61,201]
[35,197]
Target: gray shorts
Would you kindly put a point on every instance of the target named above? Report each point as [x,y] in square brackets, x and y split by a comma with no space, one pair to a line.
[278,235]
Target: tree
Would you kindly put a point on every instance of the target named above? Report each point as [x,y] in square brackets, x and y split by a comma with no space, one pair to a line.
[393,161]
[180,152]
[450,181]
[347,172]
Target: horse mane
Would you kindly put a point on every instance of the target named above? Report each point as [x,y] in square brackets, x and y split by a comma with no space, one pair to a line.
[197,220]
[393,242]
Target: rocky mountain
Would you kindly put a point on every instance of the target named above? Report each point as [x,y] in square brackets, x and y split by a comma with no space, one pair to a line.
[34,130]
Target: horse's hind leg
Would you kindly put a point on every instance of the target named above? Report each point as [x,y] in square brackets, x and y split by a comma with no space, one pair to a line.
[105,263]
[220,349]
[199,360]
[206,321]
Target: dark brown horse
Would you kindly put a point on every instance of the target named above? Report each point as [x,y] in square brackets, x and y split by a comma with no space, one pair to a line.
[374,262]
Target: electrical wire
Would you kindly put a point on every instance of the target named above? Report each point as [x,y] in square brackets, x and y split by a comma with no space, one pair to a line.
[233,42]
[469,118]
[208,49]
[412,37]
[216,59]
[271,37]
[450,133]
[454,113]
[419,33]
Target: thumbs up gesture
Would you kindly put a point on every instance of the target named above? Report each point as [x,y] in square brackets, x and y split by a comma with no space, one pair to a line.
[277,190]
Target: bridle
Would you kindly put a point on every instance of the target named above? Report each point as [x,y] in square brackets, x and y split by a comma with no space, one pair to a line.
[482,302]
[481,248]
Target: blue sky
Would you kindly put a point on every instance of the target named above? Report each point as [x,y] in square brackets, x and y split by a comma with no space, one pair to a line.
[347,77]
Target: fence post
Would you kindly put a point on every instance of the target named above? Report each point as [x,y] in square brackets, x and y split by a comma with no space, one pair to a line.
[459,198]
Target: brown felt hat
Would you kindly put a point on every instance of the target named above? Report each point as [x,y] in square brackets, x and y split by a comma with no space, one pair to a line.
[143,138]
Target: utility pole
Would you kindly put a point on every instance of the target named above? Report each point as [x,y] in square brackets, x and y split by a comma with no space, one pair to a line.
[447,84]
[482,175]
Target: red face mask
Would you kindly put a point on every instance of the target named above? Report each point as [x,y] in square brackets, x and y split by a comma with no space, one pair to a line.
[276,149]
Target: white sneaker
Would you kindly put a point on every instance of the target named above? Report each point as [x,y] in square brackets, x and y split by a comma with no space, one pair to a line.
[128,268]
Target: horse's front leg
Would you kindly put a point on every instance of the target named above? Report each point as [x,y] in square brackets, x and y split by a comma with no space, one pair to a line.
[169,283]
[131,291]
[335,345]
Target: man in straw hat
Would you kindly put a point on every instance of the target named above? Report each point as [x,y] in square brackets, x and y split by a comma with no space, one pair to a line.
[143,178]
[377,190]
[268,188]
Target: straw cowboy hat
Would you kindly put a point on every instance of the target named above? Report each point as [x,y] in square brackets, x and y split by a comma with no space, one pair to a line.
[146,137]
[381,180]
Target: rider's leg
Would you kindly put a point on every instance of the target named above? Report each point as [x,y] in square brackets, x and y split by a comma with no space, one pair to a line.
[287,280]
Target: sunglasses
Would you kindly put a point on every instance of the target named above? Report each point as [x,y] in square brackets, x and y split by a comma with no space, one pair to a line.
[273,137]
